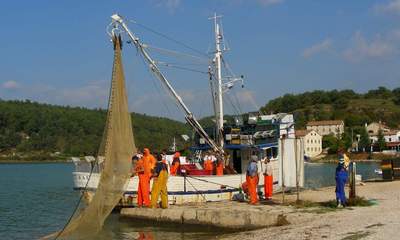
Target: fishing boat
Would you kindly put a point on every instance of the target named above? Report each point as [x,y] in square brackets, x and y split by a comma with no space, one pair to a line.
[270,136]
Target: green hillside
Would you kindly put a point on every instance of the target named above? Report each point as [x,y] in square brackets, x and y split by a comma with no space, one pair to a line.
[355,109]
[30,127]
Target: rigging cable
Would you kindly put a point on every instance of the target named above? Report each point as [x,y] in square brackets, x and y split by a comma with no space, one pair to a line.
[197,191]
[181,68]
[176,53]
[228,99]
[207,181]
[169,38]
[155,84]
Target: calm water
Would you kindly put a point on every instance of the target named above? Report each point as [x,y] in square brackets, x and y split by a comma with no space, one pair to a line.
[37,199]
[323,174]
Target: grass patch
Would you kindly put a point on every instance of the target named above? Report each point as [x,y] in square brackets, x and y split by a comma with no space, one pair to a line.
[359,202]
[304,204]
[356,235]
[329,206]
[314,207]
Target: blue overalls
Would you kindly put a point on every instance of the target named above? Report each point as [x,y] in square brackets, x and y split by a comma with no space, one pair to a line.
[341,179]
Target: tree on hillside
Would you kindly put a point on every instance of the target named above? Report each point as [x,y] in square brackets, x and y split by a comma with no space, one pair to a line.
[346,140]
[381,140]
[364,142]
[381,92]
[331,143]
[396,96]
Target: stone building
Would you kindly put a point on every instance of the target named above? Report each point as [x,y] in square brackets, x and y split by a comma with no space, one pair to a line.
[374,127]
[312,142]
[323,128]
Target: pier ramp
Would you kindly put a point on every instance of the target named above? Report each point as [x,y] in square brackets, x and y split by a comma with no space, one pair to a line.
[227,214]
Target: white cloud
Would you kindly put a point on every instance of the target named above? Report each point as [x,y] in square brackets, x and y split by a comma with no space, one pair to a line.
[90,94]
[269,2]
[317,48]
[170,5]
[10,85]
[392,6]
[247,97]
[362,49]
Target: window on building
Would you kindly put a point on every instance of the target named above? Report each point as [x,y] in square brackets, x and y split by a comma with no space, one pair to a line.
[308,149]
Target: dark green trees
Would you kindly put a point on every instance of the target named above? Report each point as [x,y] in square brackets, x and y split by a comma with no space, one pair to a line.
[28,126]
[381,140]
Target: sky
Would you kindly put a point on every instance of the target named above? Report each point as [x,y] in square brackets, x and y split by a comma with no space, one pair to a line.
[58,52]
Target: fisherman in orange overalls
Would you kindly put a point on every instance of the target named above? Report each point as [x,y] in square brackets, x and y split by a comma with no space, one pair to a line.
[143,168]
[252,179]
[268,179]
[175,164]
[208,163]
[220,168]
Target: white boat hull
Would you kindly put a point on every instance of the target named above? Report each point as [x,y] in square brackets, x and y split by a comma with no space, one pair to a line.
[191,189]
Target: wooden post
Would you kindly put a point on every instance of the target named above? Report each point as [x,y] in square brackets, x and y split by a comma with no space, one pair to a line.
[297,170]
[352,182]
[283,176]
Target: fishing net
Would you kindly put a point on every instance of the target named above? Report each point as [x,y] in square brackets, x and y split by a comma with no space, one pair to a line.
[117,148]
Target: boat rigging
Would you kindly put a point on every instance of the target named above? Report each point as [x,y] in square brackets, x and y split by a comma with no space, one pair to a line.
[118,21]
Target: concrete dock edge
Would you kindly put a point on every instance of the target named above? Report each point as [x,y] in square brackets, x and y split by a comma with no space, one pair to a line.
[223,217]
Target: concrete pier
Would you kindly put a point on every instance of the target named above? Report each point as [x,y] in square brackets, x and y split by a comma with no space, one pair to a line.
[227,214]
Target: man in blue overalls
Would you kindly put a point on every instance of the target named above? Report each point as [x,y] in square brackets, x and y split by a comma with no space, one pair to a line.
[341,179]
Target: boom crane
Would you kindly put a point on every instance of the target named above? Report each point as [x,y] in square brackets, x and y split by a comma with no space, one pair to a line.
[118,20]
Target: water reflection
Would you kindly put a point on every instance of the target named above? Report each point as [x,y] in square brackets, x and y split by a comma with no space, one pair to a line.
[129,229]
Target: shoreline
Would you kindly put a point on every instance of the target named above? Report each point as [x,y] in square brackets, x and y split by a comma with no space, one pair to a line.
[336,161]
[33,161]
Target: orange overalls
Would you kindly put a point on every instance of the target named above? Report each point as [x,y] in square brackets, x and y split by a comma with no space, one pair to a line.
[174,167]
[220,168]
[208,164]
[143,168]
[149,161]
[268,181]
[143,190]
[252,188]
[175,164]
[252,181]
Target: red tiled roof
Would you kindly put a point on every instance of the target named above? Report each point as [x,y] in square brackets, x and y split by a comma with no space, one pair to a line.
[324,123]
[301,133]
[392,144]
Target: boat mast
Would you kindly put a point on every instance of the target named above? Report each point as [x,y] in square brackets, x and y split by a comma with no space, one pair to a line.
[117,19]
[217,92]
